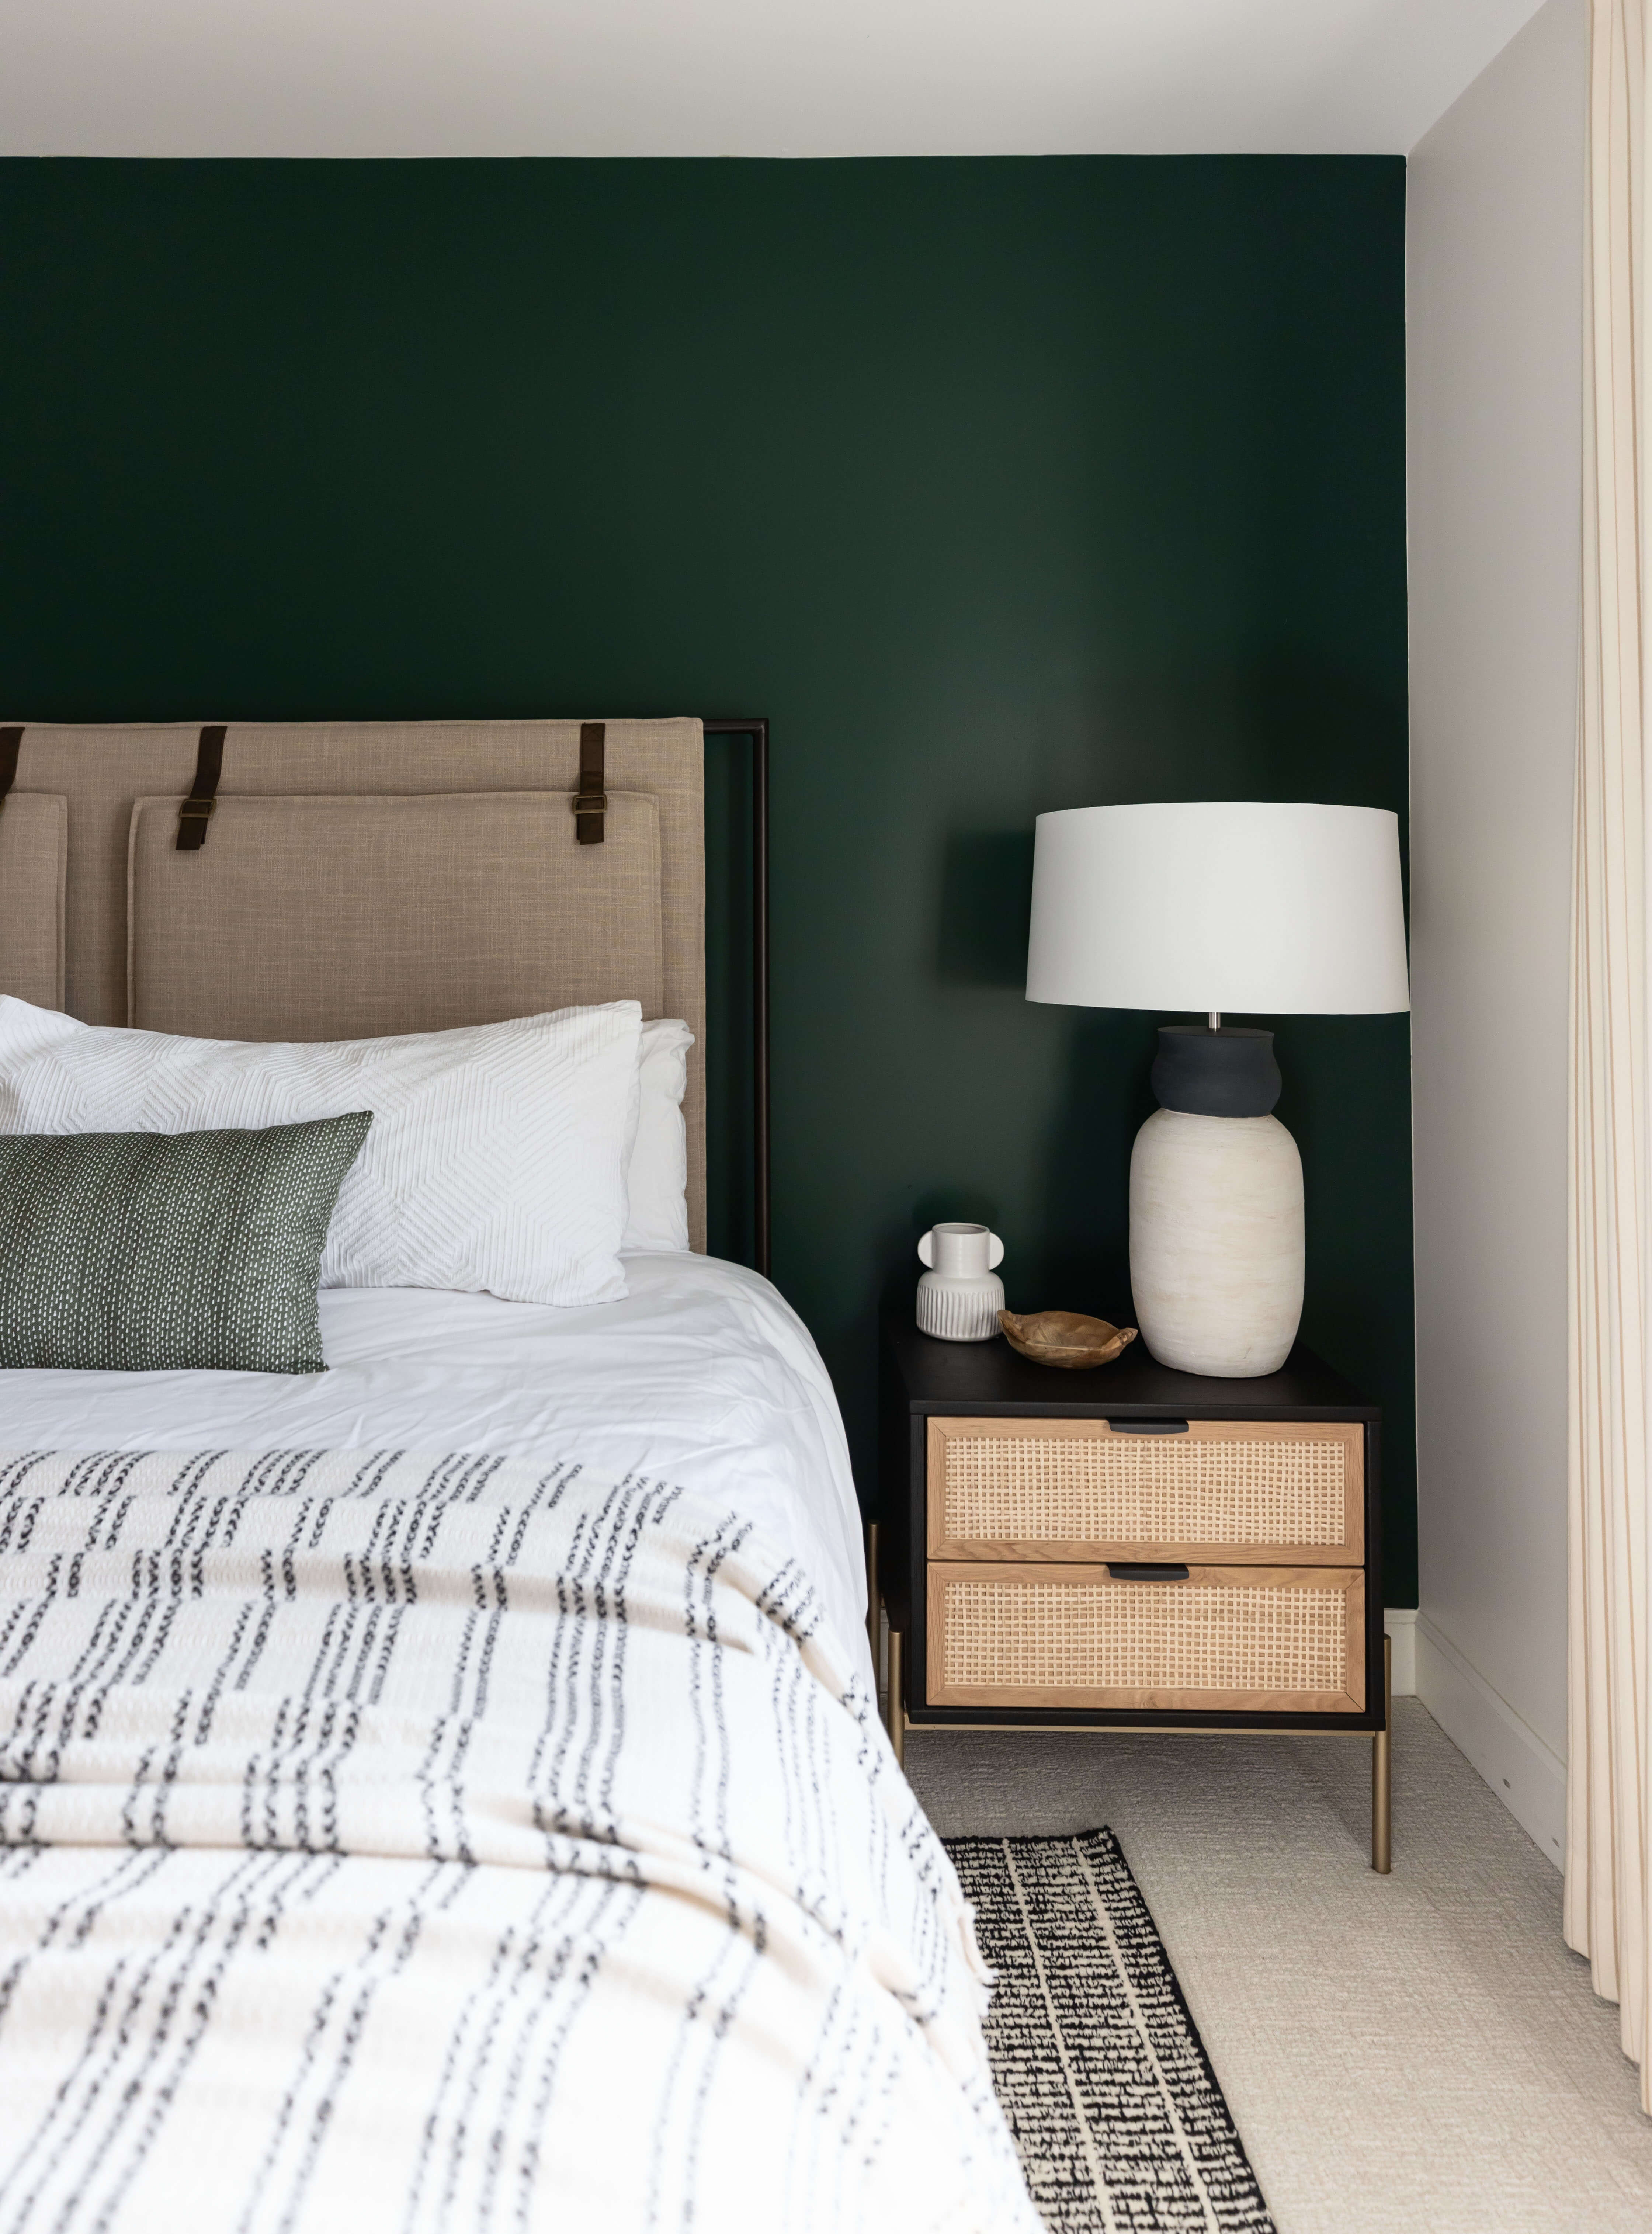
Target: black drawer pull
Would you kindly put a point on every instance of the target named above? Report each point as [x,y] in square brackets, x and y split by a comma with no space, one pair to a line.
[1136,1570]
[1148,1426]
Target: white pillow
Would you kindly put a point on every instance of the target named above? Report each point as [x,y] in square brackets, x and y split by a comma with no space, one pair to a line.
[657,1160]
[495,1162]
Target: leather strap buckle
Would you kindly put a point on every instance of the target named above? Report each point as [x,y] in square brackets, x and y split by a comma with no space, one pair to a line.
[590,800]
[197,810]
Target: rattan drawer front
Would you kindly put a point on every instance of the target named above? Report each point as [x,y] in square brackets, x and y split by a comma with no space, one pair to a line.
[1077,1489]
[1227,1640]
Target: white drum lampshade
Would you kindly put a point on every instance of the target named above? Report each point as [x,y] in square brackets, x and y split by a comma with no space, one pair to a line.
[1218,906]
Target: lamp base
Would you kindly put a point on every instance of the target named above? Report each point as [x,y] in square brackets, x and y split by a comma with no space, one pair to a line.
[1216,1242]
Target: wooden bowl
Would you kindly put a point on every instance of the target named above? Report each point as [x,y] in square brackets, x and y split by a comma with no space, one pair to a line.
[1064,1337]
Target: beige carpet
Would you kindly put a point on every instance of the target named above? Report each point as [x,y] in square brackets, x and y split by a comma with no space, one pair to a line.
[1413,2055]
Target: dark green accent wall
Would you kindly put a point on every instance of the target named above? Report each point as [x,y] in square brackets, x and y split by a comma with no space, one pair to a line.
[998,484]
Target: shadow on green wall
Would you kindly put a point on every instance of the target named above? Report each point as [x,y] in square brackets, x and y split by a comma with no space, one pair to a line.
[986,894]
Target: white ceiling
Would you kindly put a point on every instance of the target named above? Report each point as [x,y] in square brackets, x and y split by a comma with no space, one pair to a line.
[736,77]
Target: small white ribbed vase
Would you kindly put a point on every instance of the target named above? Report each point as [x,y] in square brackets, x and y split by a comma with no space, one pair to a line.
[1216,1242]
[960,1297]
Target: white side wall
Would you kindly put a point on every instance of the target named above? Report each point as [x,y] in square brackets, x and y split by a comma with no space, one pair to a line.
[1495,313]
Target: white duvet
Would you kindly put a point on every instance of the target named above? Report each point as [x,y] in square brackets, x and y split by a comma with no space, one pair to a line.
[703,1375]
[391,1845]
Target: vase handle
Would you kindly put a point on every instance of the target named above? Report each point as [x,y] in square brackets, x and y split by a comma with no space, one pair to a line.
[926,1249]
[994,1252]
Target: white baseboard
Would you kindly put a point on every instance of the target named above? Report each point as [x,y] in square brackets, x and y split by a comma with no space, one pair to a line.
[1401,1621]
[1527,1775]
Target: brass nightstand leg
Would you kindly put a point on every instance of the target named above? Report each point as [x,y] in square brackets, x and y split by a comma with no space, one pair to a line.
[874,1604]
[1382,1772]
[897,1713]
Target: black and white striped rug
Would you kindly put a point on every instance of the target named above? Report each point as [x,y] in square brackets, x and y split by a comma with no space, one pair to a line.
[1103,2077]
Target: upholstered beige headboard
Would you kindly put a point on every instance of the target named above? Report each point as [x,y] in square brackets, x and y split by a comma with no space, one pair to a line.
[358,878]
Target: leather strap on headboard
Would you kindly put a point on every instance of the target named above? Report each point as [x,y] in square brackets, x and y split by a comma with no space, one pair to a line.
[10,746]
[591,801]
[196,811]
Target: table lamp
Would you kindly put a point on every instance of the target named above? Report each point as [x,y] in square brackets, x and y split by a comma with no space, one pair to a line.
[1218,906]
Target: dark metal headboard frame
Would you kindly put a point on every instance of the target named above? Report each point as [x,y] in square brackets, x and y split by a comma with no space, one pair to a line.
[757,729]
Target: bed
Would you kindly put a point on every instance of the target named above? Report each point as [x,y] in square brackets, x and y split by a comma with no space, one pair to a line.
[447,1789]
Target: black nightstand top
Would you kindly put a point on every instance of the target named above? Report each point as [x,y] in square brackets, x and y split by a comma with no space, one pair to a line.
[987,1378]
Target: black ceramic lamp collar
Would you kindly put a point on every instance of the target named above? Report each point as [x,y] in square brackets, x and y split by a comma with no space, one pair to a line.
[1227,1072]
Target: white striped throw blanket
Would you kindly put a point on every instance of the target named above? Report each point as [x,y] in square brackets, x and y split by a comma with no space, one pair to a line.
[411,1844]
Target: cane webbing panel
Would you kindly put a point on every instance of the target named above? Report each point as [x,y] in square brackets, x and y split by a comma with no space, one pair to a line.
[1134,1636]
[1104,1489]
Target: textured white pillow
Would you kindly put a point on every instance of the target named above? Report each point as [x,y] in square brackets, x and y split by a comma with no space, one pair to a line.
[496,1160]
[656,1160]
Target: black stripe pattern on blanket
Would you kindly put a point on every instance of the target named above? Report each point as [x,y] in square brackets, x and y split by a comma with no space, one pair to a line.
[401,1844]
[1099,2066]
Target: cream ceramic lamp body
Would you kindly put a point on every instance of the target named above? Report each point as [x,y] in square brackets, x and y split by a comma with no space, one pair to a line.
[1218,906]
[1216,1242]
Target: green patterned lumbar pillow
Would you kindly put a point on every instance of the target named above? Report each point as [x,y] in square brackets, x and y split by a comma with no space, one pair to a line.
[154,1252]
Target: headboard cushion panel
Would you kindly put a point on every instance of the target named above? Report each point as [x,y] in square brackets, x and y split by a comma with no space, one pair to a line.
[34,851]
[315,918]
[104,771]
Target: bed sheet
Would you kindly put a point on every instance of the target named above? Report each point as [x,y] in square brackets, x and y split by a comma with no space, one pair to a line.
[704,1376]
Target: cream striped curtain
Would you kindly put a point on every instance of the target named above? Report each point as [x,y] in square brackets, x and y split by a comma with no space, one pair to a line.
[1609,1851]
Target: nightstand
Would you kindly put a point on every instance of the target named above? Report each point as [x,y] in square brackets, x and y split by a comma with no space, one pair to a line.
[1128,1548]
